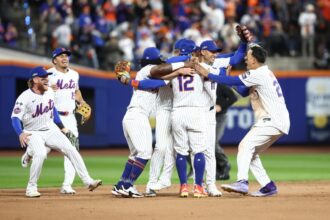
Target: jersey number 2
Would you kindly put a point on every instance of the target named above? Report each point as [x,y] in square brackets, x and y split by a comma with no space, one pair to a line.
[184,83]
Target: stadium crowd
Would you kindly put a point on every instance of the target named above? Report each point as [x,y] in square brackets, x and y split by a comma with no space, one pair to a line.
[101,32]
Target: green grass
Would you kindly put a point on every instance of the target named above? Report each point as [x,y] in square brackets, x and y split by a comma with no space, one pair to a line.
[300,167]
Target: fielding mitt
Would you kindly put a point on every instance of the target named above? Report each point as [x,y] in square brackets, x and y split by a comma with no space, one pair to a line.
[122,70]
[85,111]
[244,34]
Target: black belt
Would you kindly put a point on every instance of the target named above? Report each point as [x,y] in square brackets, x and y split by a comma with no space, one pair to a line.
[211,108]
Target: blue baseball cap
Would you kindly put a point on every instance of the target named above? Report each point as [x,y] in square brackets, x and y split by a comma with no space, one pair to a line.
[39,71]
[151,53]
[58,51]
[177,44]
[187,47]
[210,46]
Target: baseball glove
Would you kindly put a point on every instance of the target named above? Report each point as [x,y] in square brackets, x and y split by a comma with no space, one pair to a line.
[122,70]
[73,139]
[85,111]
[244,34]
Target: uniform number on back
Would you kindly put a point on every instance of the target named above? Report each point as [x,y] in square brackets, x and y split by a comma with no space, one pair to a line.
[185,83]
[278,88]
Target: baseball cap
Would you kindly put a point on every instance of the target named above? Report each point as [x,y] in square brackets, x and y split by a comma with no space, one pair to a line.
[210,46]
[151,53]
[58,51]
[187,47]
[39,71]
[177,44]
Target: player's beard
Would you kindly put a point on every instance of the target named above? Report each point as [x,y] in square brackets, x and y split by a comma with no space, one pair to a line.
[42,87]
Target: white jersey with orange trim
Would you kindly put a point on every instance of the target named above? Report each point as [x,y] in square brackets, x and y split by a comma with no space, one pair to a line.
[267,97]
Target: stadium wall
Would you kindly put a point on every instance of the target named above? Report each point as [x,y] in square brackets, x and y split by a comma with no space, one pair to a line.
[307,95]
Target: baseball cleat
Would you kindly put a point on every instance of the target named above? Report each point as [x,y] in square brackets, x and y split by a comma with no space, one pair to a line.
[213,191]
[25,160]
[268,190]
[67,190]
[32,194]
[199,191]
[241,186]
[184,192]
[115,191]
[150,193]
[94,185]
[130,192]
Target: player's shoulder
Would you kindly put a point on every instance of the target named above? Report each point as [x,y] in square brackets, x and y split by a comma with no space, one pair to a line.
[72,71]
[144,72]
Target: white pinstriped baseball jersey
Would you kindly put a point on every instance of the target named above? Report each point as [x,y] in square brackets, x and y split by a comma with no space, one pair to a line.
[144,100]
[164,98]
[267,97]
[67,84]
[209,86]
[188,91]
[35,110]
[221,63]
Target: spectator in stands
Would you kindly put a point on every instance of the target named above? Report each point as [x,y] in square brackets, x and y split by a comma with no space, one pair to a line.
[214,19]
[228,33]
[126,45]
[62,35]
[307,22]
[11,35]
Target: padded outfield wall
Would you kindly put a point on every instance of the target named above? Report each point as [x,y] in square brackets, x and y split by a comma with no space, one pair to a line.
[307,95]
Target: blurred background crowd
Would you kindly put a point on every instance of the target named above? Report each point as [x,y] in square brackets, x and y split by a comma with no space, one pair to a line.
[101,32]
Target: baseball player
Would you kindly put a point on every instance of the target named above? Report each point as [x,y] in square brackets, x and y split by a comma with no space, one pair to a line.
[136,124]
[271,114]
[35,110]
[208,52]
[65,83]
[188,126]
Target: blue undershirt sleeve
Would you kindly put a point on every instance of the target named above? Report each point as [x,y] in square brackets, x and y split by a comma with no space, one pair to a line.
[239,55]
[227,80]
[225,55]
[243,90]
[17,125]
[147,84]
[57,119]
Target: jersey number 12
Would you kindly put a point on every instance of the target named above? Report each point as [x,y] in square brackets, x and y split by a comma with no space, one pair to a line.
[185,83]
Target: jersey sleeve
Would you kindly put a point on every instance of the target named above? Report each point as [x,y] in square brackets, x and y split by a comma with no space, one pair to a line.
[19,107]
[221,62]
[251,78]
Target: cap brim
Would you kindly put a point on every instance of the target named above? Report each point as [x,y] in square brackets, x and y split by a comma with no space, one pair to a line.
[66,52]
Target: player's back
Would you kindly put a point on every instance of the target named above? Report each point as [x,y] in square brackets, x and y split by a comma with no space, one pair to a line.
[188,91]
[144,101]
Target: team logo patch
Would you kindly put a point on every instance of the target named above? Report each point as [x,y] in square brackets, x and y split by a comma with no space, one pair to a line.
[17,110]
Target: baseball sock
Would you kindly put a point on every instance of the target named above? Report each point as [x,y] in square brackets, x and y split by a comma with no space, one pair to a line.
[127,171]
[199,165]
[181,166]
[136,171]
